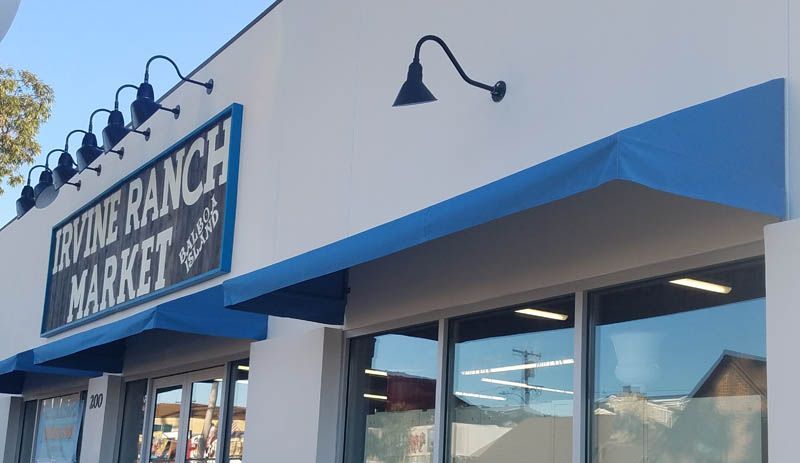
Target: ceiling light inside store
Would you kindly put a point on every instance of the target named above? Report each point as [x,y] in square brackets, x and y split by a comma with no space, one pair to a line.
[703,285]
[241,381]
[527,366]
[375,372]
[478,396]
[243,368]
[375,397]
[542,314]
[523,385]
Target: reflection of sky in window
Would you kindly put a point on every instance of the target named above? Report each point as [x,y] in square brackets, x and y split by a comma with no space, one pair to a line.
[499,352]
[691,344]
[409,355]
[240,395]
[169,397]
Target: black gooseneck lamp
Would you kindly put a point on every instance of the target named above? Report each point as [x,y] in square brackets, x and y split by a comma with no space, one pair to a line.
[27,198]
[46,191]
[414,91]
[67,167]
[89,150]
[145,105]
[116,129]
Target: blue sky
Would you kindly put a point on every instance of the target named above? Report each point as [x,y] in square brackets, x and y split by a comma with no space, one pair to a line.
[85,50]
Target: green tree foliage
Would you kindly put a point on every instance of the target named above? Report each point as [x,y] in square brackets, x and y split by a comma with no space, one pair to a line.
[25,104]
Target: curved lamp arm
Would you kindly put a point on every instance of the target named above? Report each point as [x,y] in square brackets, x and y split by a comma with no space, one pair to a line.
[498,90]
[116,95]
[208,85]
[91,117]
[47,158]
[66,140]
[31,171]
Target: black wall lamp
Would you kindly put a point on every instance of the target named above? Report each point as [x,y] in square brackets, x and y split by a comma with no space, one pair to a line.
[46,191]
[89,150]
[414,91]
[27,198]
[145,105]
[116,130]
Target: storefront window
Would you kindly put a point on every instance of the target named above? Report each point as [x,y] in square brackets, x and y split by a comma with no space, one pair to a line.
[201,442]
[680,369]
[133,422]
[240,373]
[166,422]
[392,396]
[511,384]
[28,430]
[58,432]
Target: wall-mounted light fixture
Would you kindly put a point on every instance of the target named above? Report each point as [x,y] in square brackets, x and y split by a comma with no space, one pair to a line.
[27,198]
[89,150]
[116,130]
[145,105]
[414,91]
[46,191]
[66,167]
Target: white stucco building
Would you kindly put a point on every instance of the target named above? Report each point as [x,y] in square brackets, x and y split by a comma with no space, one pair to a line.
[600,267]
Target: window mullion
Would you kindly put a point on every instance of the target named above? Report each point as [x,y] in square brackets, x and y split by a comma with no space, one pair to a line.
[440,416]
[580,417]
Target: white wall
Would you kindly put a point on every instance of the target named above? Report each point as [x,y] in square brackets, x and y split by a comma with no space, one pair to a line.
[324,155]
[293,415]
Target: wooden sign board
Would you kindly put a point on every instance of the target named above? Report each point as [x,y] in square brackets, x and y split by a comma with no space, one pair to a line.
[164,227]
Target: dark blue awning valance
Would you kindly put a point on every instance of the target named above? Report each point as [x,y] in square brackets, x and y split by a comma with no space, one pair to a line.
[16,368]
[103,348]
[729,151]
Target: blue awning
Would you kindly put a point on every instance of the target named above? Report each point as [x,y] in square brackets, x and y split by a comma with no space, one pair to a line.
[729,151]
[103,348]
[15,369]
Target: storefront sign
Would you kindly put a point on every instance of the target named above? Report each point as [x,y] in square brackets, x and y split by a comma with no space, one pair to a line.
[165,226]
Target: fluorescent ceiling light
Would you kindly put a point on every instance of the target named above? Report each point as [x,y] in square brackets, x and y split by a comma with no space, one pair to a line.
[376,397]
[542,314]
[218,380]
[241,381]
[703,285]
[478,396]
[527,366]
[375,372]
[243,367]
[523,385]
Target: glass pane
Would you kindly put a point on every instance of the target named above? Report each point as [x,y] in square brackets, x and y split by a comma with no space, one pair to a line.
[511,391]
[59,429]
[680,369]
[241,374]
[166,420]
[391,397]
[28,428]
[133,421]
[201,442]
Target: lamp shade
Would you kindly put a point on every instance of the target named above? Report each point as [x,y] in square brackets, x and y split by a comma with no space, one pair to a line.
[45,191]
[64,171]
[115,130]
[414,90]
[89,151]
[144,105]
[26,201]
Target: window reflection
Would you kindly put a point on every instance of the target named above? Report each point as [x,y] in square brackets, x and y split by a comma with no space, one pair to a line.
[241,375]
[680,369]
[511,386]
[133,421]
[201,442]
[391,397]
[166,420]
[59,427]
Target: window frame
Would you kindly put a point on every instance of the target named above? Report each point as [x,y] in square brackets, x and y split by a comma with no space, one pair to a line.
[583,372]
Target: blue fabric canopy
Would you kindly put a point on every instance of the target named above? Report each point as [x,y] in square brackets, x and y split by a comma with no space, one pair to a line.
[16,368]
[729,151]
[103,348]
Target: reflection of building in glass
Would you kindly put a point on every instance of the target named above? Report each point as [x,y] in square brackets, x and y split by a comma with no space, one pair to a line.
[727,403]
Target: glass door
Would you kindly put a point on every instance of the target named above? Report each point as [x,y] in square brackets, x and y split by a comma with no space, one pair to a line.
[185,417]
